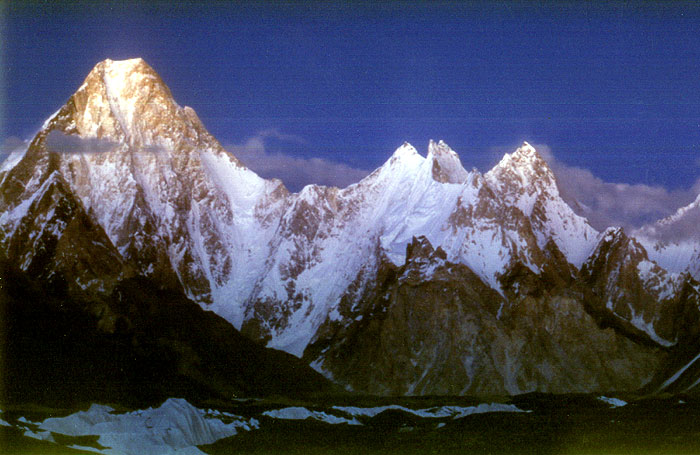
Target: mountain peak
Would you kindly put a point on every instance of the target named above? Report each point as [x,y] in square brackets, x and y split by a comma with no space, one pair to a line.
[678,228]
[527,147]
[439,148]
[125,65]
[405,150]
[525,153]
[406,158]
[118,72]
[524,168]
[121,77]
[446,165]
[124,101]
[523,179]
[612,233]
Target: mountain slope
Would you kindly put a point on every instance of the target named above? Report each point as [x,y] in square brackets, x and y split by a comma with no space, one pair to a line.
[633,288]
[51,236]
[136,346]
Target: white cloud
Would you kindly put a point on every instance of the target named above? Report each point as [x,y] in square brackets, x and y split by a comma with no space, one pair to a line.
[10,145]
[614,204]
[59,142]
[12,150]
[295,172]
[682,228]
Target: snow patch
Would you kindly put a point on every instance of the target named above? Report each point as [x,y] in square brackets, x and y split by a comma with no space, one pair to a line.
[40,435]
[678,374]
[455,412]
[300,413]
[613,402]
[14,158]
[657,280]
[175,427]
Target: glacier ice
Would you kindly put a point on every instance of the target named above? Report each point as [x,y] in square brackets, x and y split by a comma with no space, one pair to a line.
[174,427]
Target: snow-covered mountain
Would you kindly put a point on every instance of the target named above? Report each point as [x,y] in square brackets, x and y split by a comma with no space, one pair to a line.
[323,273]
[484,222]
[674,242]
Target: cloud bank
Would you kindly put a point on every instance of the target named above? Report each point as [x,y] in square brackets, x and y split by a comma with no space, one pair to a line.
[295,172]
[608,204]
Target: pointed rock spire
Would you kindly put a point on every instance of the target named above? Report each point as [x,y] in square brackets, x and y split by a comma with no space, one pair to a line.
[404,160]
[446,166]
[523,171]
[524,180]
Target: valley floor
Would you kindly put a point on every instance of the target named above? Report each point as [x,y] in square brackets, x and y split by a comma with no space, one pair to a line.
[528,424]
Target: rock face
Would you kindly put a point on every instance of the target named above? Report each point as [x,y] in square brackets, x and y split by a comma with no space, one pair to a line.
[632,289]
[422,278]
[434,327]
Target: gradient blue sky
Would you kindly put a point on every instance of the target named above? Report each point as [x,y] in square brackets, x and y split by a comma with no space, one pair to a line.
[614,89]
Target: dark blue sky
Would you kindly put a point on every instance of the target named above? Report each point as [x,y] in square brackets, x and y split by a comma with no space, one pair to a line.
[614,89]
